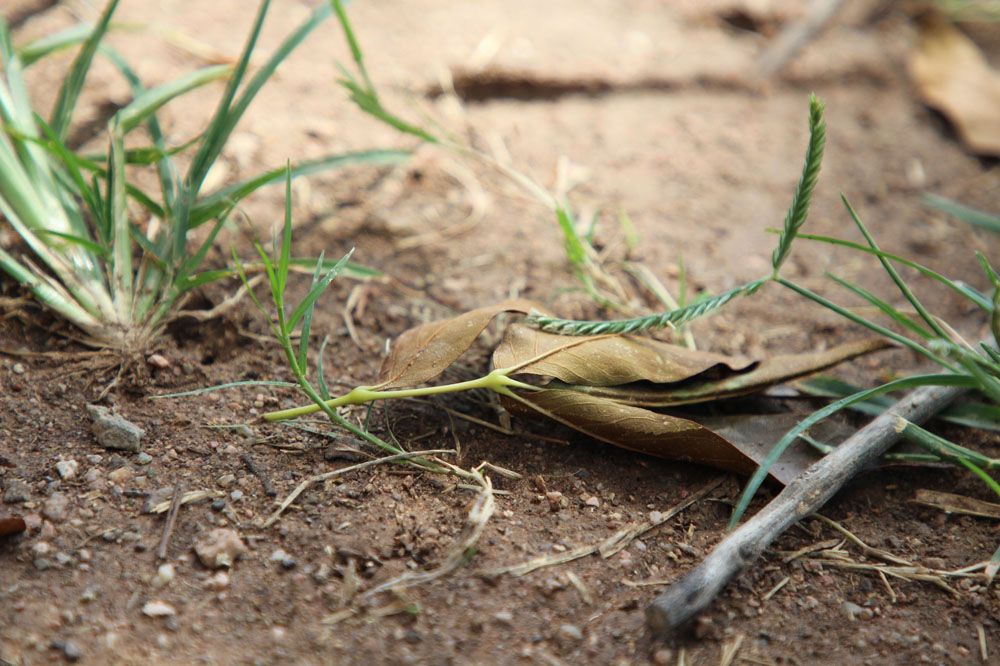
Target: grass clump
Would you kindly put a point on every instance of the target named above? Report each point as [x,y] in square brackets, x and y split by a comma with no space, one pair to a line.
[89,258]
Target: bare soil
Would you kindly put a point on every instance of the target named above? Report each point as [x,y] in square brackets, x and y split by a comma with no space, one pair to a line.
[656,101]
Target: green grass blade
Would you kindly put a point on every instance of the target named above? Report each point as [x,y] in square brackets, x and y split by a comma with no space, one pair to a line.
[216,203]
[324,392]
[884,307]
[165,168]
[969,414]
[69,92]
[356,53]
[37,49]
[941,447]
[904,289]
[962,289]
[779,448]
[798,211]
[968,215]
[316,290]
[59,300]
[219,133]
[219,387]
[285,255]
[121,245]
[215,136]
[86,243]
[307,319]
[146,104]
[881,330]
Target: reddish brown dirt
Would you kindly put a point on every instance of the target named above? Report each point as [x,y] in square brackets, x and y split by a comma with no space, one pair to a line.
[655,100]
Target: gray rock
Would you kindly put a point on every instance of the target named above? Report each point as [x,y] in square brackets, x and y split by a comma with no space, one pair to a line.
[17,491]
[144,458]
[112,431]
[56,507]
[71,650]
[67,469]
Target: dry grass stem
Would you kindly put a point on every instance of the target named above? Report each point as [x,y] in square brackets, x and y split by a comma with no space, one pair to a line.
[463,548]
[186,498]
[337,472]
[730,650]
[774,590]
[960,504]
[609,546]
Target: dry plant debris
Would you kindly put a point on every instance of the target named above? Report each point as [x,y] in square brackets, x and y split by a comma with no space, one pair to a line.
[605,385]
[953,76]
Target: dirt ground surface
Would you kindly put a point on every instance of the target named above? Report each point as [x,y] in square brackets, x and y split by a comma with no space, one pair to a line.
[655,105]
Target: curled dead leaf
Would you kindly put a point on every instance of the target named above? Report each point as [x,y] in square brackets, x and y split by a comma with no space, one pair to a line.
[644,372]
[953,76]
[608,360]
[424,352]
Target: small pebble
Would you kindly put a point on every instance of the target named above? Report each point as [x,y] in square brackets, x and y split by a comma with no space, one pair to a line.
[655,517]
[112,431]
[16,491]
[218,504]
[157,608]
[94,459]
[571,631]
[663,657]
[236,495]
[19,369]
[506,617]
[217,582]
[220,548]
[144,458]
[67,469]
[120,476]
[56,507]
[226,480]
[71,650]
[93,475]
[593,501]
[854,611]
[159,361]
[164,576]
[283,558]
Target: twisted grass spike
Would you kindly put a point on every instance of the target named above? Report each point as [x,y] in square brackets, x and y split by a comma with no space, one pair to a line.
[798,211]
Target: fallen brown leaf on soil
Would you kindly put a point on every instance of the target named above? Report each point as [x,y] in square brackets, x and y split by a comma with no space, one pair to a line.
[954,77]
[424,352]
[602,385]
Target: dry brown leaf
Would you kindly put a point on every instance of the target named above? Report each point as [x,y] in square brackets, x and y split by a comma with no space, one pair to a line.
[650,373]
[635,429]
[425,351]
[955,78]
[608,360]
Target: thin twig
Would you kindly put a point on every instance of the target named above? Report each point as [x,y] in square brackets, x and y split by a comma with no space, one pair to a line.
[796,35]
[256,471]
[608,547]
[168,528]
[800,498]
[337,472]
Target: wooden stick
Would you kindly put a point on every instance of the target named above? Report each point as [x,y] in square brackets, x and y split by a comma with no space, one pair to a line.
[800,498]
[168,528]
